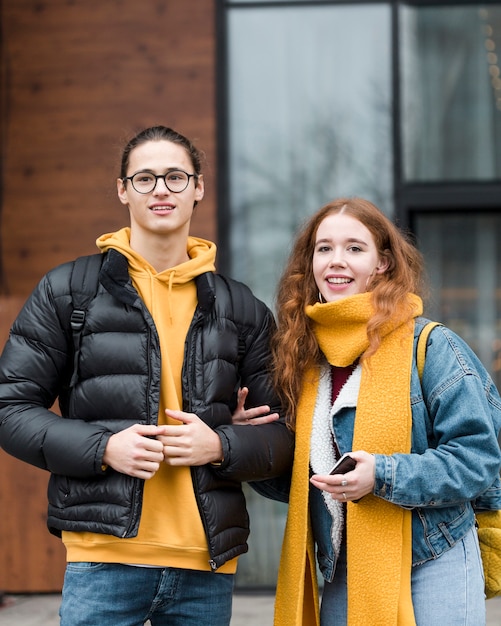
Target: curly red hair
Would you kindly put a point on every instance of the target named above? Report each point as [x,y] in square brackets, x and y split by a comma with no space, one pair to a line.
[295,348]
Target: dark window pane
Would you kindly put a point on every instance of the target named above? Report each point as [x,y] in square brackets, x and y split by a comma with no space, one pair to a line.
[451,92]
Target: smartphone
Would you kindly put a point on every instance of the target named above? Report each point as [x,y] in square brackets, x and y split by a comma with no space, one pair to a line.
[345,464]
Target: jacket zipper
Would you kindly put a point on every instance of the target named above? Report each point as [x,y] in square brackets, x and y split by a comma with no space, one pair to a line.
[138,484]
[191,375]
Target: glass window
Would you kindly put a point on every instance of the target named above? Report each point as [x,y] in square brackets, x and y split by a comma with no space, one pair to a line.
[309,120]
[451,92]
[259,566]
[463,258]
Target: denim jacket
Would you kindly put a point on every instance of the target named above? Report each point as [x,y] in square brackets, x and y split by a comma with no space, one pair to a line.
[455,460]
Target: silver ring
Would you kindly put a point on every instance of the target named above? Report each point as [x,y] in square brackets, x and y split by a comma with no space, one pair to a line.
[344,496]
[344,483]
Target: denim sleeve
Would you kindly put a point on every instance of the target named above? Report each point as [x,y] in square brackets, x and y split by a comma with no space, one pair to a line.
[456,414]
[489,500]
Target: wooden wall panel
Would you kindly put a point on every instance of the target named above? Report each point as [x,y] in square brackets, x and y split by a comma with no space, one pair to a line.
[31,559]
[78,79]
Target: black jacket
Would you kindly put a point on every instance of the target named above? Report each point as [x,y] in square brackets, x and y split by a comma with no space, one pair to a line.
[118,384]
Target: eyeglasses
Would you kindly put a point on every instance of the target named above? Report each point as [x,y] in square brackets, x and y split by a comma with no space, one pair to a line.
[145,182]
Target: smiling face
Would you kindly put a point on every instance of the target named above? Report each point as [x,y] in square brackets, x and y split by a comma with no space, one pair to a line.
[160,213]
[345,257]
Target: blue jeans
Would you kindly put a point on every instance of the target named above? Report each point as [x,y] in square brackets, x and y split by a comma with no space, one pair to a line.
[448,591]
[109,594]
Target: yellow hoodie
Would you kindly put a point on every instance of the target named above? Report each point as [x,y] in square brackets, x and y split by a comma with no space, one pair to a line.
[170,532]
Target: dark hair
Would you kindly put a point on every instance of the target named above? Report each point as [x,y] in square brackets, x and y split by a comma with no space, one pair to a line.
[162,133]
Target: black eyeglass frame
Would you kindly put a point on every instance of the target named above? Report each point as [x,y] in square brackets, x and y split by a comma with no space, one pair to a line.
[157,176]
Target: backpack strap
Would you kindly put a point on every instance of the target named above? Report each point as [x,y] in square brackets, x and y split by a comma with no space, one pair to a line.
[422,344]
[83,286]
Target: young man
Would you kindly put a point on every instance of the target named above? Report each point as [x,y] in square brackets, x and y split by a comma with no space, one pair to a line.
[146,466]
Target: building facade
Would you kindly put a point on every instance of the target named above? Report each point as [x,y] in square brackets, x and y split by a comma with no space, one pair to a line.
[294,103]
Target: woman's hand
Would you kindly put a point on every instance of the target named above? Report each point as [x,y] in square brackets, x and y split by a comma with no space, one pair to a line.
[253,417]
[353,485]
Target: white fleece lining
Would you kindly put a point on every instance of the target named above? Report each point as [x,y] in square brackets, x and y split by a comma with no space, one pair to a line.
[322,453]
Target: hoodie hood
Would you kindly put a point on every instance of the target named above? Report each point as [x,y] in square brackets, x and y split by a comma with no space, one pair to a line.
[168,289]
[202,255]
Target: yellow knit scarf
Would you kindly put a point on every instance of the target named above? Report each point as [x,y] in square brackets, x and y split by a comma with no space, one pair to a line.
[379,535]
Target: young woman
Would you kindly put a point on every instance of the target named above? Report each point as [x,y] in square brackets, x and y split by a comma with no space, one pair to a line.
[395,537]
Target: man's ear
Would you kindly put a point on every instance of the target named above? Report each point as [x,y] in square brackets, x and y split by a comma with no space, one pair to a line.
[122,191]
[200,188]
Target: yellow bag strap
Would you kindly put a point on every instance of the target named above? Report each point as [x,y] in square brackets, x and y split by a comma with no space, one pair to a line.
[421,346]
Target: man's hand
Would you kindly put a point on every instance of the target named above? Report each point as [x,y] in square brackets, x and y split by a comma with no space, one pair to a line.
[251,417]
[190,443]
[135,451]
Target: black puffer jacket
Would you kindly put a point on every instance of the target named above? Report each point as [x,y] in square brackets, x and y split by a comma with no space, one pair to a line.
[118,385]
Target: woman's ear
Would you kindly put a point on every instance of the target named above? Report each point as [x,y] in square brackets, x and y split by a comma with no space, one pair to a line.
[384,263]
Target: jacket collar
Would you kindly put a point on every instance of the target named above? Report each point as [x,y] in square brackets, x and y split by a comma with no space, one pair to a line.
[115,276]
